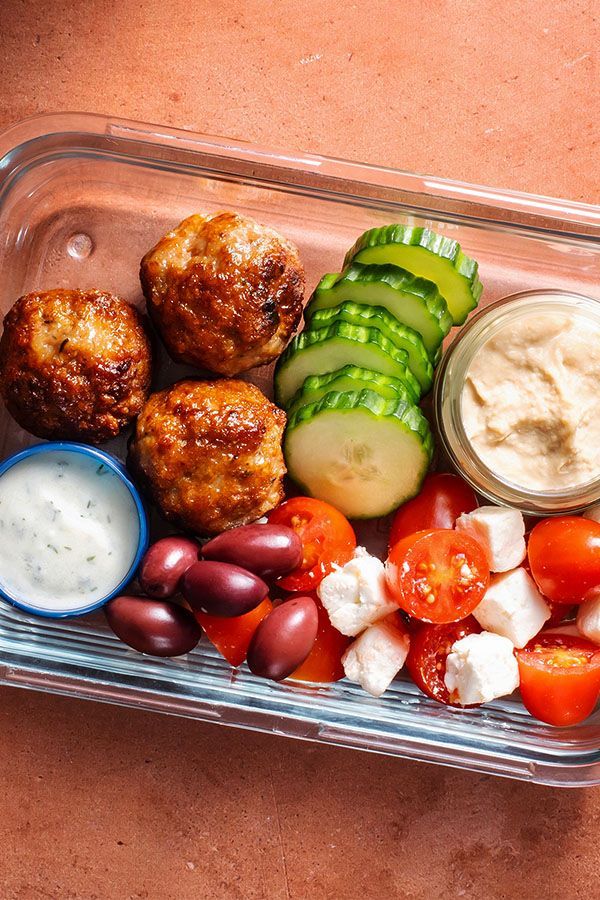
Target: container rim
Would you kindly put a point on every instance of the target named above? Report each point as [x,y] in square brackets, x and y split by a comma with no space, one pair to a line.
[32,129]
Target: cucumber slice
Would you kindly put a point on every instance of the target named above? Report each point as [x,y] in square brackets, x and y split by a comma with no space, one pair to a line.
[363,454]
[349,378]
[428,255]
[413,301]
[402,336]
[327,349]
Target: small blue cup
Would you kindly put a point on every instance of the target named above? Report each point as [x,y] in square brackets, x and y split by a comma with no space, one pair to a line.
[119,470]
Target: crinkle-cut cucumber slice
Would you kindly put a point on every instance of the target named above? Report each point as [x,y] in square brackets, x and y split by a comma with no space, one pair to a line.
[427,255]
[363,454]
[415,302]
[350,378]
[401,335]
[327,349]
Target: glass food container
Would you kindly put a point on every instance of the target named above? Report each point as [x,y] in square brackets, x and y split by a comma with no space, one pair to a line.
[81,199]
[509,312]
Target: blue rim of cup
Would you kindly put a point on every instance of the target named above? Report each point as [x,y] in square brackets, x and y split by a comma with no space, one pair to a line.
[120,471]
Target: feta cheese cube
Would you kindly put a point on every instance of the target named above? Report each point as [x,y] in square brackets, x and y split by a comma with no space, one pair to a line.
[593,512]
[501,533]
[588,619]
[481,667]
[374,659]
[356,595]
[513,607]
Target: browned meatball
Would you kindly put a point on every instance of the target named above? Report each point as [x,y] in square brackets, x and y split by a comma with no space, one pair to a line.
[224,292]
[74,365]
[209,454]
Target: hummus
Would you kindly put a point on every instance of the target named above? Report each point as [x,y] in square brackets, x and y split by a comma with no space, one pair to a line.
[531,402]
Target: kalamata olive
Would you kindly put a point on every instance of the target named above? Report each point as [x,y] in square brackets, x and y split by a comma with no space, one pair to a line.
[266,550]
[156,627]
[220,589]
[165,563]
[284,639]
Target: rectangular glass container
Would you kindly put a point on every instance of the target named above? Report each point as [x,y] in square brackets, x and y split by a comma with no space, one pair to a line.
[81,199]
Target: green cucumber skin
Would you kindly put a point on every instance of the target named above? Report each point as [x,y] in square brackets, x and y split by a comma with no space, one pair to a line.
[443,247]
[345,332]
[365,379]
[327,282]
[378,317]
[394,277]
[409,415]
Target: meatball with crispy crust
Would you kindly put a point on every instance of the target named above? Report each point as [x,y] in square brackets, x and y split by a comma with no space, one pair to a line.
[209,454]
[74,365]
[225,293]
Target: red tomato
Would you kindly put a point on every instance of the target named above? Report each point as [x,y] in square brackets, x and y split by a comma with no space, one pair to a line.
[327,538]
[324,662]
[443,498]
[560,678]
[564,556]
[437,576]
[559,611]
[429,649]
[232,636]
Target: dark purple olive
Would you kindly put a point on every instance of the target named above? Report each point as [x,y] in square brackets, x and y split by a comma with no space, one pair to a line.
[266,550]
[220,589]
[164,565]
[284,639]
[156,627]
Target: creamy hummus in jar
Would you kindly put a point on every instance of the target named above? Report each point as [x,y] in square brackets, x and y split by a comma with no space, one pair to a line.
[530,403]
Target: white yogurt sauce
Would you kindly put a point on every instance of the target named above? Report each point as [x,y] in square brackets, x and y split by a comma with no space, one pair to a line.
[69,531]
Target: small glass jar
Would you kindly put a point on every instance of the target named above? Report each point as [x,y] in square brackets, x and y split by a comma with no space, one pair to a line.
[448,394]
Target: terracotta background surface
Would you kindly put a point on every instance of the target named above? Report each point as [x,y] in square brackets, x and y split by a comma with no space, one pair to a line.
[100,802]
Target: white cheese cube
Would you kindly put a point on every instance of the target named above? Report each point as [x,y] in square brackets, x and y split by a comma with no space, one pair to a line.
[501,533]
[481,667]
[356,595]
[513,607]
[374,659]
[588,619]
[593,512]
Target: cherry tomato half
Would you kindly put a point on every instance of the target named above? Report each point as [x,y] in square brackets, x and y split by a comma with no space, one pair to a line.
[559,612]
[324,662]
[443,498]
[327,539]
[437,576]
[429,649]
[564,556]
[232,636]
[560,678]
